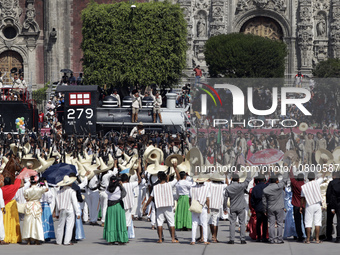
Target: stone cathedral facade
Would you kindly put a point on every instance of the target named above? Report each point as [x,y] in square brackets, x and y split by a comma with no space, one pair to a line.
[41,37]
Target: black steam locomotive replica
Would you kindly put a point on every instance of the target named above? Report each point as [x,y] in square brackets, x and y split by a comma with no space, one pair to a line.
[85,111]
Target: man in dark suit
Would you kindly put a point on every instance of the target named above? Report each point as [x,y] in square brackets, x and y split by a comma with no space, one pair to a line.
[256,203]
[333,201]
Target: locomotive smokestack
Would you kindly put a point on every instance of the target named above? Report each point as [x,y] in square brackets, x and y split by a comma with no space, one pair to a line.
[171,100]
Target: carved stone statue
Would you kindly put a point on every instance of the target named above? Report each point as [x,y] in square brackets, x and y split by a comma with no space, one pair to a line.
[321,28]
[201,28]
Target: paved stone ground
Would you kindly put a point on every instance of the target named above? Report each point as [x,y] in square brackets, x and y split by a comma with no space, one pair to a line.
[145,243]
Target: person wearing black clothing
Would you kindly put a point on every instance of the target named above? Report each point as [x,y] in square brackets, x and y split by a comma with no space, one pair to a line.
[333,206]
[256,203]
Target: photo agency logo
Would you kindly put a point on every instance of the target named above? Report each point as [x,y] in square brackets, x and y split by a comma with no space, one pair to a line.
[281,99]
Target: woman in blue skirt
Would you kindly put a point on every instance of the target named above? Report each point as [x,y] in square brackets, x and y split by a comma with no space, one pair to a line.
[46,217]
[115,230]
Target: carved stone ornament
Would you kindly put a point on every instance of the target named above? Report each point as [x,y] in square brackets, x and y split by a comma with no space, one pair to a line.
[10,8]
[30,26]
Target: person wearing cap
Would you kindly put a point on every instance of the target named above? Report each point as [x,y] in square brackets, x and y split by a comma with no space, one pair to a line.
[333,201]
[136,105]
[32,229]
[238,204]
[311,199]
[273,204]
[67,208]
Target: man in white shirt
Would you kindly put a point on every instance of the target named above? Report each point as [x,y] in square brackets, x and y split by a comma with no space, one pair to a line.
[67,208]
[164,203]
[311,199]
[136,104]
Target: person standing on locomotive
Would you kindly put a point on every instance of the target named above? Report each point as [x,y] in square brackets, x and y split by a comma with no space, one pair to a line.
[116,95]
[136,104]
[157,103]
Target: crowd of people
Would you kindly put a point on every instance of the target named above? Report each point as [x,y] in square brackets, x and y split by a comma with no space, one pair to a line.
[142,174]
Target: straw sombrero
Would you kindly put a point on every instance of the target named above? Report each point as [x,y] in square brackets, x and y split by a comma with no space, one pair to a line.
[169,160]
[103,167]
[67,181]
[303,126]
[29,159]
[155,168]
[336,155]
[200,178]
[45,164]
[217,176]
[323,156]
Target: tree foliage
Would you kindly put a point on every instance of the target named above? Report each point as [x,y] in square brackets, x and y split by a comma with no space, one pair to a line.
[244,56]
[125,46]
[329,68]
[326,75]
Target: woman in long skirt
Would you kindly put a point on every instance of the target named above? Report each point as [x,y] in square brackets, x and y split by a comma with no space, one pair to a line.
[115,230]
[183,215]
[46,216]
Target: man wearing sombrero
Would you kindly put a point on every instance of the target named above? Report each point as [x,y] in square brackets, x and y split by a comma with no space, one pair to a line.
[67,208]
[164,202]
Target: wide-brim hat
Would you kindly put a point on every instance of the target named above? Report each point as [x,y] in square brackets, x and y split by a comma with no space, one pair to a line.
[67,181]
[303,126]
[200,178]
[178,157]
[29,159]
[89,169]
[184,166]
[322,156]
[14,148]
[194,156]
[45,164]
[154,169]
[27,148]
[336,155]
[217,176]
[152,154]
[129,165]
[103,167]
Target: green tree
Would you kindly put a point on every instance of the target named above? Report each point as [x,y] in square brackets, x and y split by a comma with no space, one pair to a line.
[329,68]
[326,76]
[241,55]
[124,46]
